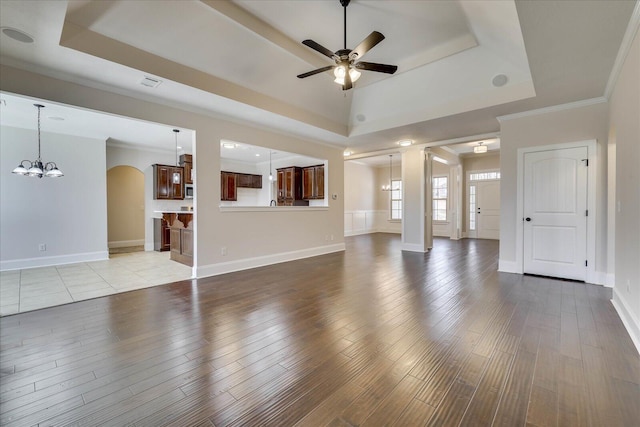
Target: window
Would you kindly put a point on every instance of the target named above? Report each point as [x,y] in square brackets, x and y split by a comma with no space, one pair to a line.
[472,207]
[483,176]
[396,199]
[439,198]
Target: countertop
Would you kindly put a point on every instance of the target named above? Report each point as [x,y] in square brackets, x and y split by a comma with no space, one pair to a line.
[174,212]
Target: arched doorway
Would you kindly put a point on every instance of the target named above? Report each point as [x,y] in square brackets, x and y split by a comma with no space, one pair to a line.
[125,209]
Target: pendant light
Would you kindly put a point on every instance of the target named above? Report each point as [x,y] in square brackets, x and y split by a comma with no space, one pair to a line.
[270,173]
[37,168]
[176,179]
[388,186]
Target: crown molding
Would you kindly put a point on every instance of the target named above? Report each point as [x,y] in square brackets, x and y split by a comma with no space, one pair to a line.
[625,47]
[553,109]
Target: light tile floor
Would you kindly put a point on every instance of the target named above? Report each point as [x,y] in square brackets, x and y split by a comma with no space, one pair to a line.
[35,288]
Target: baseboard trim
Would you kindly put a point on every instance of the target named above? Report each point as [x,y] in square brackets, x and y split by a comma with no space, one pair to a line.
[610,280]
[508,266]
[261,261]
[125,243]
[413,247]
[628,319]
[358,232]
[149,247]
[19,264]
[597,278]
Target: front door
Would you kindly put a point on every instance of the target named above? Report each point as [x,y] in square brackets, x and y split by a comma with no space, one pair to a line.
[488,209]
[555,213]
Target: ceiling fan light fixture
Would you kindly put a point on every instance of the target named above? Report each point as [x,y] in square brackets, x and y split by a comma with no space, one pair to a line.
[339,73]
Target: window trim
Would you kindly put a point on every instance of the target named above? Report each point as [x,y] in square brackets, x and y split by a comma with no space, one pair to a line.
[391,200]
[446,199]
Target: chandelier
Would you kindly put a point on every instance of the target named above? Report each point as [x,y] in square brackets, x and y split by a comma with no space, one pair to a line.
[37,168]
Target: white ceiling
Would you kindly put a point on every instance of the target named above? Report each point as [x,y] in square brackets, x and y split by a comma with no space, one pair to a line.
[240,59]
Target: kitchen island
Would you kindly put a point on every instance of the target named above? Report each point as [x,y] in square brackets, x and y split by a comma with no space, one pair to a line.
[180,226]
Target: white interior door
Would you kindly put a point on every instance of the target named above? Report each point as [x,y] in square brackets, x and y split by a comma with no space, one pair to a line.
[555,213]
[488,209]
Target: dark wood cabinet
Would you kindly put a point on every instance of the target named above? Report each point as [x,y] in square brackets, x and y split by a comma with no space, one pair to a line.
[231,181]
[246,180]
[168,182]
[161,235]
[313,182]
[228,186]
[187,163]
[182,245]
[180,238]
[290,187]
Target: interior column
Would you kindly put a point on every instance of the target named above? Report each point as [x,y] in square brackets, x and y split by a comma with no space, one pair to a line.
[417,233]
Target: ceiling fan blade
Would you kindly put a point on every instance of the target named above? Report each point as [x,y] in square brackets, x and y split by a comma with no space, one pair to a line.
[317,71]
[365,45]
[319,48]
[380,68]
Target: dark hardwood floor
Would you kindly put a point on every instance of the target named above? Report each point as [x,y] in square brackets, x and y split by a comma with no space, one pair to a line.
[369,337]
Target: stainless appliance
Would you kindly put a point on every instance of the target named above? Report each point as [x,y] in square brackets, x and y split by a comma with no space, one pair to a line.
[188,191]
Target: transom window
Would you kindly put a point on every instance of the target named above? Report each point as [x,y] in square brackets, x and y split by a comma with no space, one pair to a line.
[440,198]
[396,199]
[484,176]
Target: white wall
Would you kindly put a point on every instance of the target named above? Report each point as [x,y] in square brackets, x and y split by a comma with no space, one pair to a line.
[68,214]
[624,126]
[580,123]
[249,238]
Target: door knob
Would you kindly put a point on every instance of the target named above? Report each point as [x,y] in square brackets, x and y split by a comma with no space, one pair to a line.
[527,219]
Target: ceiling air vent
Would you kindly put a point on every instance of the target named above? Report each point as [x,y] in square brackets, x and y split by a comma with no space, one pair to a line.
[150,82]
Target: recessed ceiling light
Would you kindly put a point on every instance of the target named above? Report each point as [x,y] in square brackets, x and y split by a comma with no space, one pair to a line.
[405,142]
[257,154]
[347,153]
[18,35]
[179,147]
[56,118]
[228,145]
[500,80]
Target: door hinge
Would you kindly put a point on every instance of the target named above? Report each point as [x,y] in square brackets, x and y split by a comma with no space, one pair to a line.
[586,263]
[586,162]
[586,213]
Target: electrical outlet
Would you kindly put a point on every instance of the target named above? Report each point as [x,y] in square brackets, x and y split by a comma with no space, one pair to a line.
[42,247]
[223,250]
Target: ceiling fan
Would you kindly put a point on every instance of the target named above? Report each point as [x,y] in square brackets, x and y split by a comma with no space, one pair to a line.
[346,68]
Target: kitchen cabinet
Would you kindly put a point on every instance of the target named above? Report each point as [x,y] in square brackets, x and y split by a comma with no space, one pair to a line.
[313,182]
[290,187]
[231,181]
[187,163]
[168,182]
[228,186]
[161,235]
[182,246]
[246,180]
[180,238]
